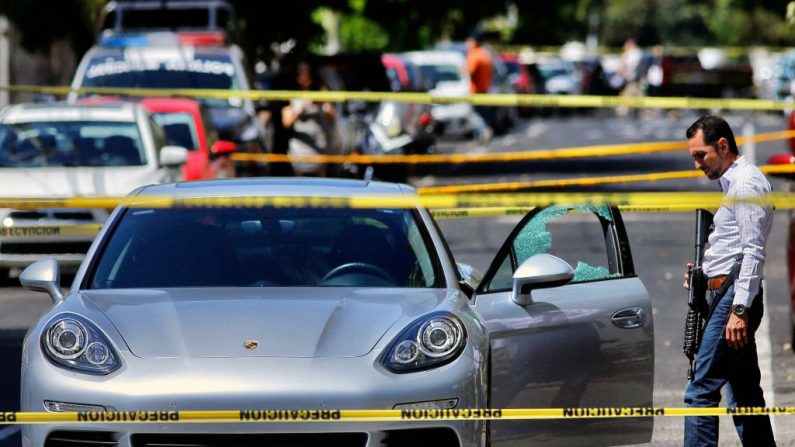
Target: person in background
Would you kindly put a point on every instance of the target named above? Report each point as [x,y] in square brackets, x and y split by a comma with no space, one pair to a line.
[481,71]
[628,69]
[734,265]
[310,124]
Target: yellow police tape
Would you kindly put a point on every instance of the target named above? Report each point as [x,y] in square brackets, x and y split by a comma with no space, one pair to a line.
[39,231]
[730,51]
[583,181]
[333,415]
[497,211]
[527,155]
[641,200]
[519,100]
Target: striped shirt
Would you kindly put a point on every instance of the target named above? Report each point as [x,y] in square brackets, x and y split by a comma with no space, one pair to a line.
[740,230]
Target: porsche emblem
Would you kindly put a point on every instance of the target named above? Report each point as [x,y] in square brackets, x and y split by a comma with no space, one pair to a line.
[250,344]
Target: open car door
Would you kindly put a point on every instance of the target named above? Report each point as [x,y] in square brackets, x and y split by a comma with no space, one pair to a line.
[586,343]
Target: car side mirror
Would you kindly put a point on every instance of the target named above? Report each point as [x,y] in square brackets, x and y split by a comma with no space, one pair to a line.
[539,272]
[222,147]
[43,275]
[173,156]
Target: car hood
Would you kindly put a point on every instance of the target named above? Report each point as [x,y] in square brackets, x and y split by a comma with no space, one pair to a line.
[75,181]
[284,322]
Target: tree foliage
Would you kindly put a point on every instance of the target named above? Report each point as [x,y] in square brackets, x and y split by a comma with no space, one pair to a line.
[40,22]
[396,25]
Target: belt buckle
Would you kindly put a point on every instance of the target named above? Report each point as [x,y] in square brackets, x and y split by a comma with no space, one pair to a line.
[715,282]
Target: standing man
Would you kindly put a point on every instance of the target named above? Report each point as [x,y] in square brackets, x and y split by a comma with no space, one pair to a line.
[479,65]
[728,348]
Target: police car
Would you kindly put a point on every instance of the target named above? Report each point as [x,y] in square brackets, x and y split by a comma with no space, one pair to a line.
[180,60]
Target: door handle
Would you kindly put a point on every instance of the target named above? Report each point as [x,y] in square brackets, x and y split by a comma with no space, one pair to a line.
[633,317]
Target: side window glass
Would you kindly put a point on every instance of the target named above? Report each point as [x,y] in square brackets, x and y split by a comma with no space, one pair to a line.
[576,234]
[503,280]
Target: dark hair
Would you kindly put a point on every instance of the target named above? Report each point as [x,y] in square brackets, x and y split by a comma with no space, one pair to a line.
[713,128]
[478,36]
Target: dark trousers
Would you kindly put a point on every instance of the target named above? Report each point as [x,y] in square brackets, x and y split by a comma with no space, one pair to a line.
[716,365]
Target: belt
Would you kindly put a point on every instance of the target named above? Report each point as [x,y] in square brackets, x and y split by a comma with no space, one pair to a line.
[715,282]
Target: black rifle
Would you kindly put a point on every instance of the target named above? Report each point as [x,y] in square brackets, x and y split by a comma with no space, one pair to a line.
[698,311]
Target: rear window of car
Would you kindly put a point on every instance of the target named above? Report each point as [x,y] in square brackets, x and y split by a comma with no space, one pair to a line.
[267,247]
[440,73]
[166,68]
[71,143]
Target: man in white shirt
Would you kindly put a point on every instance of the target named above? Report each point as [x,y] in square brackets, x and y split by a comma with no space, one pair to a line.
[728,348]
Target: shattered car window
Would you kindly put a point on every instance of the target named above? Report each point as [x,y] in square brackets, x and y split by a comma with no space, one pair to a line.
[585,252]
[550,232]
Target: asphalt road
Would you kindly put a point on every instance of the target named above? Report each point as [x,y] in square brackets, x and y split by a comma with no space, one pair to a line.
[661,244]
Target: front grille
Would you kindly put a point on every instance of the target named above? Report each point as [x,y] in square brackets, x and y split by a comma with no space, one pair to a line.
[32,248]
[81,439]
[251,440]
[421,437]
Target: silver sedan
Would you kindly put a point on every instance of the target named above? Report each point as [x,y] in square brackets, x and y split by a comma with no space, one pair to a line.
[290,308]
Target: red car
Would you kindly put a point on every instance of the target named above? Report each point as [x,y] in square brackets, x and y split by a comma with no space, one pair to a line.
[786,159]
[183,122]
[518,74]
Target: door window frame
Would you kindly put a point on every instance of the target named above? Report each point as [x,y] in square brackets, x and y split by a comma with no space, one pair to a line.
[619,256]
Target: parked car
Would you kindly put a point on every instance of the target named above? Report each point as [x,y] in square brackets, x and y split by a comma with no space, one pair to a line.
[185,124]
[338,308]
[709,74]
[500,118]
[167,15]
[518,74]
[447,76]
[61,150]
[519,77]
[182,60]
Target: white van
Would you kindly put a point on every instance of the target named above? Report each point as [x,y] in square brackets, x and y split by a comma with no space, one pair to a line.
[51,151]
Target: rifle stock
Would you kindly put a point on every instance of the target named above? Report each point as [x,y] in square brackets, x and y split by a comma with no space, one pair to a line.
[697,296]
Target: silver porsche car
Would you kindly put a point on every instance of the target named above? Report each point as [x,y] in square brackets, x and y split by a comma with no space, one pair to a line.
[292,308]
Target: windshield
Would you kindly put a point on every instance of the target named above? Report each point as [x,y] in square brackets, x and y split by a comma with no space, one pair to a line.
[166,70]
[439,73]
[549,71]
[179,128]
[267,247]
[71,143]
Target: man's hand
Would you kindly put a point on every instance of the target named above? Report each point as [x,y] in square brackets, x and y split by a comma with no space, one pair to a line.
[686,284]
[737,331]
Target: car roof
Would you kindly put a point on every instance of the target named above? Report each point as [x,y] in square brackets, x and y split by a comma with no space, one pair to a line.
[61,111]
[436,57]
[276,187]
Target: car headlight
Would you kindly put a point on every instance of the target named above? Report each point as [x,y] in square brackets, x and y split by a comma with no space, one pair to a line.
[428,342]
[73,342]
